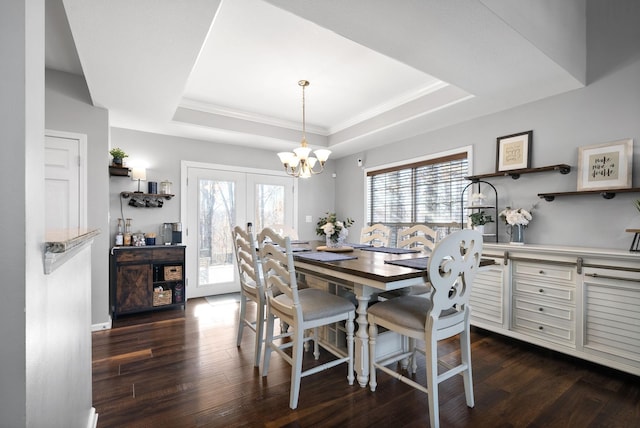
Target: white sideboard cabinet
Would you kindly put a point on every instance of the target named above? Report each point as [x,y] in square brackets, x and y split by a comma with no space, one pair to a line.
[584,302]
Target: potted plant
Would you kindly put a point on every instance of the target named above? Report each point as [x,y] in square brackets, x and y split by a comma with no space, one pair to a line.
[479,219]
[117,154]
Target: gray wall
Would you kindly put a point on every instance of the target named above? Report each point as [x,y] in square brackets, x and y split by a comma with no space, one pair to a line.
[17,113]
[607,109]
[68,108]
[45,377]
[163,155]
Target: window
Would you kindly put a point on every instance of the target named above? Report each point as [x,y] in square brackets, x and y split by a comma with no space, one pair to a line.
[428,191]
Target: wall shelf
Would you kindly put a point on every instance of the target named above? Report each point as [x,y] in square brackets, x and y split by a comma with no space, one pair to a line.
[515,173]
[126,195]
[119,171]
[148,200]
[607,194]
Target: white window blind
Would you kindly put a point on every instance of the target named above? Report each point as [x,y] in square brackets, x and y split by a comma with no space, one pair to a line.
[422,192]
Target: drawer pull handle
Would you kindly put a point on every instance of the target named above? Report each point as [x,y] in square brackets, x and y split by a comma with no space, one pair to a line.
[541,290]
[540,328]
[540,309]
[541,272]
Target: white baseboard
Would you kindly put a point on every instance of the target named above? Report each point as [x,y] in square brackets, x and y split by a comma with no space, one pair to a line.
[93,419]
[102,326]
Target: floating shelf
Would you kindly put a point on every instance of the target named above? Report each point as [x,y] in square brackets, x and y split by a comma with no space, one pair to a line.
[119,171]
[515,173]
[607,194]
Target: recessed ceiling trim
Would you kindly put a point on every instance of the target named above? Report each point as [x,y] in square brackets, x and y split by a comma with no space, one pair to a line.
[390,105]
[245,115]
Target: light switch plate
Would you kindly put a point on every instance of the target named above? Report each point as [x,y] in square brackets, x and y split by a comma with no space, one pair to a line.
[309,219]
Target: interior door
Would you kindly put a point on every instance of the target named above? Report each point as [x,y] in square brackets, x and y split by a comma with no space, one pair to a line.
[217,200]
[65,176]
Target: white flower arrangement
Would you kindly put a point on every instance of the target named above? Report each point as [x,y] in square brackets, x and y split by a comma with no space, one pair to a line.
[478,198]
[516,216]
[333,228]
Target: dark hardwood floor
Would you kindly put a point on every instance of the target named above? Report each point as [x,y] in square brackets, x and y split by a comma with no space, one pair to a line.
[182,369]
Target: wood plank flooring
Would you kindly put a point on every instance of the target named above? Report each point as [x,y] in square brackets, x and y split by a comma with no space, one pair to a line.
[182,369]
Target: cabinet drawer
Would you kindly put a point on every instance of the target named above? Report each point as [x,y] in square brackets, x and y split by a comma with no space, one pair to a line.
[543,310]
[127,256]
[167,254]
[535,288]
[545,272]
[543,326]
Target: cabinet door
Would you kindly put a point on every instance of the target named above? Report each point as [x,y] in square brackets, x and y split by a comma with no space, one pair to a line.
[134,291]
[612,314]
[487,296]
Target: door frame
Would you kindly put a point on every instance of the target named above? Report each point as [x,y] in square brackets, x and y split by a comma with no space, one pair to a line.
[184,172]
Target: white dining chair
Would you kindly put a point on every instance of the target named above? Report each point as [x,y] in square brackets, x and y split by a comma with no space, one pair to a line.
[377,235]
[251,288]
[304,310]
[284,230]
[418,236]
[451,270]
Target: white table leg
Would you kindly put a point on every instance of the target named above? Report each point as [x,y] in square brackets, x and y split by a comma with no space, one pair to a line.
[361,364]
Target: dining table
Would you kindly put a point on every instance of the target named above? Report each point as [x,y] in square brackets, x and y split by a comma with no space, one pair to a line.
[366,271]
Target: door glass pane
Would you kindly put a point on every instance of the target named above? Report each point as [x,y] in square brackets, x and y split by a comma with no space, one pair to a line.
[270,205]
[217,213]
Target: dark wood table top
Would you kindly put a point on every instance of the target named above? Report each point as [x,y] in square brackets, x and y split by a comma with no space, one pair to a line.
[370,267]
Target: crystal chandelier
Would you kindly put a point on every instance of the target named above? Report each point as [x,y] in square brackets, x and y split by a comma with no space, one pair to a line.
[299,163]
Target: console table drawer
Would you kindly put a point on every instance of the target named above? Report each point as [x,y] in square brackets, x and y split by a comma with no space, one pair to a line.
[545,272]
[544,326]
[554,291]
[543,310]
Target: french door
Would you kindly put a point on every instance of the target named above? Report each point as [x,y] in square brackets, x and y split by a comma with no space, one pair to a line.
[217,200]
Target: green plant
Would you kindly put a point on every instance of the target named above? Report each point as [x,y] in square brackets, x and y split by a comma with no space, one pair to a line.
[479,218]
[637,204]
[118,153]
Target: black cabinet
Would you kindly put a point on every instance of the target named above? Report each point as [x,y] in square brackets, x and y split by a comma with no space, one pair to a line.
[147,278]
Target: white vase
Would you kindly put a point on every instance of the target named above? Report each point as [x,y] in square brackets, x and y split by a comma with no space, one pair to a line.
[479,228]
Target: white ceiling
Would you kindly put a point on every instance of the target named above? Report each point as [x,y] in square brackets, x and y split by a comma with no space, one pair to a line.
[228,70]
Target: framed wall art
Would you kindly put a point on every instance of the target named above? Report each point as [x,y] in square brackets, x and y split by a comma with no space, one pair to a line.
[514,151]
[605,166]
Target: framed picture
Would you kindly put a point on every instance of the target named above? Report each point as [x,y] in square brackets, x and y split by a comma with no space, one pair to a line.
[514,151]
[605,166]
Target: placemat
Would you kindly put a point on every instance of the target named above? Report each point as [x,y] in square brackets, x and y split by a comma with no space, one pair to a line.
[391,250]
[417,263]
[354,245]
[323,256]
[293,249]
